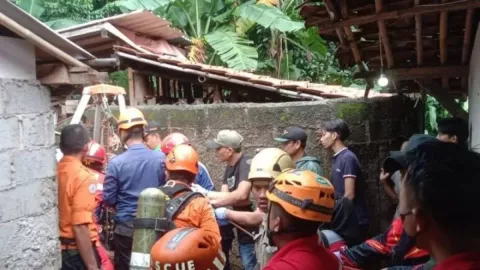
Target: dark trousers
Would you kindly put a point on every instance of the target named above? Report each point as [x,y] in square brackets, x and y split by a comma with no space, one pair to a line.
[71,260]
[226,247]
[123,251]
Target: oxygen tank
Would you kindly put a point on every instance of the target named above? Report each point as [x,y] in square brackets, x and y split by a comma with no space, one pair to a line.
[151,204]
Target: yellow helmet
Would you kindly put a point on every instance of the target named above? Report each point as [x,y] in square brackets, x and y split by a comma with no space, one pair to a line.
[269,163]
[303,194]
[131,117]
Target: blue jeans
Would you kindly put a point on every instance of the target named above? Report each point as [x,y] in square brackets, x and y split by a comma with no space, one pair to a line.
[247,255]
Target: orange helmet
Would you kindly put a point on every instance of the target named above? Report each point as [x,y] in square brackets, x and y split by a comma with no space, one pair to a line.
[131,117]
[303,194]
[182,158]
[172,140]
[95,153]
[187,248]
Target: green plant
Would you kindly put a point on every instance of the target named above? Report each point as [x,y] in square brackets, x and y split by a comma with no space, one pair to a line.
[434,112]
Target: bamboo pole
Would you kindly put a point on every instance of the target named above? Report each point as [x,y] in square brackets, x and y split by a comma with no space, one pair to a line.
[418,36]
[443,42]
[466,44]
[399,14]
[39,42]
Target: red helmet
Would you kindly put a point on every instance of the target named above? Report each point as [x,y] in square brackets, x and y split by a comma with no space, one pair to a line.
[95,153]
[172,140]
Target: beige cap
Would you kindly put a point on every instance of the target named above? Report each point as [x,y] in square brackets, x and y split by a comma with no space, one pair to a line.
[226,138]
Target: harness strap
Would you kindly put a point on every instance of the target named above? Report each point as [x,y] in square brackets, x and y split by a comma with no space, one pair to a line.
[306,204]
[162,225]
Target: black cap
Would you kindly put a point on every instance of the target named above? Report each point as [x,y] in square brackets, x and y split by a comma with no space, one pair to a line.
[151,128]
[292,134]
[397,159]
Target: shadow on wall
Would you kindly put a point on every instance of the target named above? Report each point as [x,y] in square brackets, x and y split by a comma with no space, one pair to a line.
[374,125]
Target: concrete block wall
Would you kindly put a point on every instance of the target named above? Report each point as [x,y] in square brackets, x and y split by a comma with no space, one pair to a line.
[28,191]
[374,125]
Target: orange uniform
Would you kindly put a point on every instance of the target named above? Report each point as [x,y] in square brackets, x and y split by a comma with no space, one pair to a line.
[76,198]
[199,213]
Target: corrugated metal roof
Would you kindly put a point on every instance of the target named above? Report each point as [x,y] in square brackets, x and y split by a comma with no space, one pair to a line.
[143,22]
[35,26]
[299,89]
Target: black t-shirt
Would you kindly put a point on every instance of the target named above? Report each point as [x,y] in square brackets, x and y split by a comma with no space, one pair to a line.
[232,178]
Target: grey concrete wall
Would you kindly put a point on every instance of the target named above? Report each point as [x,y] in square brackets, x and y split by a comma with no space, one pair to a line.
[374,125]
[28,197]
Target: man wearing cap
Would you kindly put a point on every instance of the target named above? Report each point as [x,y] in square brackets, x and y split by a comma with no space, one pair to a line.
[152,137]
[294,141]
[235,192]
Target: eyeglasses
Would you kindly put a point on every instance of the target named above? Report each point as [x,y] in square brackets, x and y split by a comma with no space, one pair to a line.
[404,215]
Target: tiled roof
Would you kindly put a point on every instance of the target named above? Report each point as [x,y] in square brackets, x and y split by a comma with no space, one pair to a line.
[301,89]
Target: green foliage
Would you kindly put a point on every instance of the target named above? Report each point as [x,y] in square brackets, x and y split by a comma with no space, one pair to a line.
[268,16]
[120,78]
[233,50]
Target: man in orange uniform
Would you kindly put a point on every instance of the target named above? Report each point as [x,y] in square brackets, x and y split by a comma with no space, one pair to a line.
[95,159]
[76,202]
[195,210]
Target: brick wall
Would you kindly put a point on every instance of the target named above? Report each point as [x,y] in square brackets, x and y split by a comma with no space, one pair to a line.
[374,125]
[28,197]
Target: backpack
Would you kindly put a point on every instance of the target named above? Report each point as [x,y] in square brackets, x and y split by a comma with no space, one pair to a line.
[173,207]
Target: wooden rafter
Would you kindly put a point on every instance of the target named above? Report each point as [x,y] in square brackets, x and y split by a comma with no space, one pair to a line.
[382,28]
[443,42]
[399,14]
[334,16]
[418,36]
[466,43]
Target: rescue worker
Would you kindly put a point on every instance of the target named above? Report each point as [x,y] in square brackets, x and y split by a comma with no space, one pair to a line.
[152,137]
[300,201]
[203,177]
[95,160]
[127,175]
[188,249]
[76,202]
[266,165]
[235,192]
[182,167]
[294,141]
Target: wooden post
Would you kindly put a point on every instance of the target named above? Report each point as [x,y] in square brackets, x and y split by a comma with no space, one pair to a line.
[466,43]
[418,36]
[131,87]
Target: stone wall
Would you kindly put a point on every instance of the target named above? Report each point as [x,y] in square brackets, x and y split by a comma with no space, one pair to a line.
[374,125]
[28,197]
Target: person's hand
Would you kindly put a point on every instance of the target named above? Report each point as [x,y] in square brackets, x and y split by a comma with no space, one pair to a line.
[200,189]
[221,213]
[384,176]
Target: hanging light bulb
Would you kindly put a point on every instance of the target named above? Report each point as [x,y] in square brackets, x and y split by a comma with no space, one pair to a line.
[383,80]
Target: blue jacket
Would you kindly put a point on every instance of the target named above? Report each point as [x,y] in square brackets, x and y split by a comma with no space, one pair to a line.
[127,175]
[203,178]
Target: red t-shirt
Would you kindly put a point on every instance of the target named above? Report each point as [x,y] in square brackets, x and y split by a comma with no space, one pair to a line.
[303,254]
[464,261]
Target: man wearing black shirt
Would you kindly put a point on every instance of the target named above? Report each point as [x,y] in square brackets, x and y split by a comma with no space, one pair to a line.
[235,192]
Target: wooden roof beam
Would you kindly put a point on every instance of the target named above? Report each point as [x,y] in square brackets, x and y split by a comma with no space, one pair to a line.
[418,36]
[466,43]
[382,28]
[443,42]
[404,74]
[405,13]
